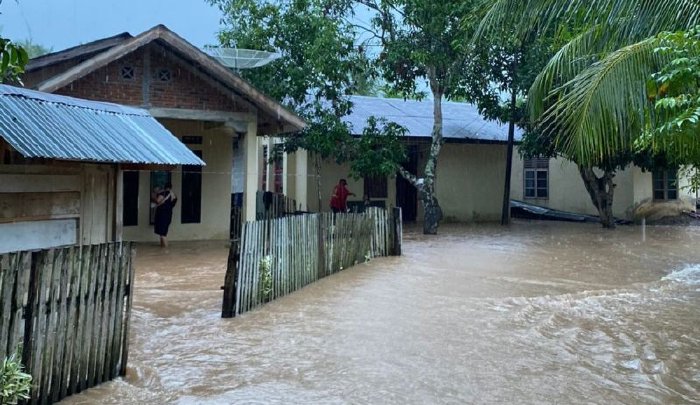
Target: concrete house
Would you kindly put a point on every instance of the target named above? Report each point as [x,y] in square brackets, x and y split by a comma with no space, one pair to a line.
[61,166]
[556,184]
[220,117]
[470,170]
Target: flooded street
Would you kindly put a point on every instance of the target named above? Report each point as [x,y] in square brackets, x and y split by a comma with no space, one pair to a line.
[536,313]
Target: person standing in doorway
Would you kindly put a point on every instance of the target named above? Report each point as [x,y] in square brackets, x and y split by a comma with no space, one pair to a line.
[339,198]
[165,202]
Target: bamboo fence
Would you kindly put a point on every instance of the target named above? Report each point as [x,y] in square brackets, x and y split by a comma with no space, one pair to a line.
[279,256]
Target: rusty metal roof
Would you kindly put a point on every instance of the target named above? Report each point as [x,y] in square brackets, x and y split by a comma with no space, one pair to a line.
[43,125]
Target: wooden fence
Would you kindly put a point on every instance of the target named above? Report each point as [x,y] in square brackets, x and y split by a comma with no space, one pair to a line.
[67,310]
[276,257]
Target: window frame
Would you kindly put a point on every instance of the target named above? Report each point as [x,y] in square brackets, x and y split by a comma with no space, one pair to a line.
[536,166]
[667,185]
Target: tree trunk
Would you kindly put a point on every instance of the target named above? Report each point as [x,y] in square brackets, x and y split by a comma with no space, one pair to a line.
[431,208]
[505,210]
[601,190]
[426,186]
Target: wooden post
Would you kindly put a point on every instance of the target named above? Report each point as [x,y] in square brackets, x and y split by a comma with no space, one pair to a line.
[30,311]
[321,248]
[229,302]
[130,291]
[398,231]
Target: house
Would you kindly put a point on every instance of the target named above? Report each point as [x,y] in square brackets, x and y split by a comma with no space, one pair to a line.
[471,166]
[556,184]
[471,170]
[61,160]
[219,116]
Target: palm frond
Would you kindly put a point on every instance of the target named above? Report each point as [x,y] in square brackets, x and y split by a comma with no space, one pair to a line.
[642,18]
[599,113]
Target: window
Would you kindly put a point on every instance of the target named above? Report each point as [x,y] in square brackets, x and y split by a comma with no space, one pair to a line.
[665,184]
[536,178]
[163,75]
[191,212]
[130,208]
[375,187]
[127,72]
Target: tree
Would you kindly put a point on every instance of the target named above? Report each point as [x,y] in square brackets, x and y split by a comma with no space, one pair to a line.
[504,64]
[590,100]
[316,72]
[12,60]
[320,67]
[421,41]
[33,49]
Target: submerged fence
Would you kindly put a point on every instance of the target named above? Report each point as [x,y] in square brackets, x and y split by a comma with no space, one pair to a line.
[67,310]
[276,257]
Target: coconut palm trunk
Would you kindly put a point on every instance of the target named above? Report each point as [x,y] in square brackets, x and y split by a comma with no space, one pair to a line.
[601,190]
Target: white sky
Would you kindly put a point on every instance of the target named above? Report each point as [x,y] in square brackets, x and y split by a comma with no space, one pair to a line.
[60,24]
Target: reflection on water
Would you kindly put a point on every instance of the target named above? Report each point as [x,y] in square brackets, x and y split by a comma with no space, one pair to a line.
[535,313]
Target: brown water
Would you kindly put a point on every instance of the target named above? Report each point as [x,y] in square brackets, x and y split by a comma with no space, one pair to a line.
[536,313]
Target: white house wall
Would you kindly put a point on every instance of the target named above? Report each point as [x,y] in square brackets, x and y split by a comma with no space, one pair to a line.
[567,192]
[469,182]
[217,153]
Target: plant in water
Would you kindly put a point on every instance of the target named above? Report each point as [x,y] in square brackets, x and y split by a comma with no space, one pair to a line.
[15,384]
[266,277]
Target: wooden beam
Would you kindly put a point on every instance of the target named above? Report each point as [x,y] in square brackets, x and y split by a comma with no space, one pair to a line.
[203,115]
[38,183]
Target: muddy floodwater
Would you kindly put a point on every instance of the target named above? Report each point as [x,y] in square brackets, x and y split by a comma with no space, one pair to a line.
[537,313]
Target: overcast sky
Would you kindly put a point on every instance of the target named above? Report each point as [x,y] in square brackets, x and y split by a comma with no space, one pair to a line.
[60,24]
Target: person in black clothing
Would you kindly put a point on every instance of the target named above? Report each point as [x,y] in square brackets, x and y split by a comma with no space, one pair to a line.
[165,202]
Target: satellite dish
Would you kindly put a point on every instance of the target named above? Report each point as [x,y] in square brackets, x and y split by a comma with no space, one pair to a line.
[237,58]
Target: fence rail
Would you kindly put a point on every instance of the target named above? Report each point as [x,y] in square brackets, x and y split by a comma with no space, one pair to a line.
[279,256]
[68,309]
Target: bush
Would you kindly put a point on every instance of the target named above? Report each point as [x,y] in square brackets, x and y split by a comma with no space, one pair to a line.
[15,384]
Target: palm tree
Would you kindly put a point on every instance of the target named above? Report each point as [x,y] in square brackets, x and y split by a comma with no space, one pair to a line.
[591,98]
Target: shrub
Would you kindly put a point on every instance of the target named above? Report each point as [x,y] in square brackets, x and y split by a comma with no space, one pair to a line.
[15,384]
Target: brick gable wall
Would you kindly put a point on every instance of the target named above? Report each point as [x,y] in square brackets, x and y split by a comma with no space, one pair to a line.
[185,89]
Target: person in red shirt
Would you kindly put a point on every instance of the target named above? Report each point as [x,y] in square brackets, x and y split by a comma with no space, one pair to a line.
[339,199]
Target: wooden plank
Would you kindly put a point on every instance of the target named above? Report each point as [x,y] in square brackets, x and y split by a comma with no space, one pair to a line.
[127,318]
[105,316]
[40,320]
[52,326]
[89,341]
[8,279]
[71,303]
[81,347]
[121,303]
[82,277]
[21,296]
[109,311]
[116,303]
[38,183]
[61,310]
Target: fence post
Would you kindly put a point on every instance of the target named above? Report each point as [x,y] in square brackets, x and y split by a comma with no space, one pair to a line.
[32,305]
[234,256]
[321,249]
[398,230]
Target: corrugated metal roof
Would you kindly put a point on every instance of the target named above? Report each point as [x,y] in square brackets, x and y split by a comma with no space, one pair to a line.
[50,126]
[461,121]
